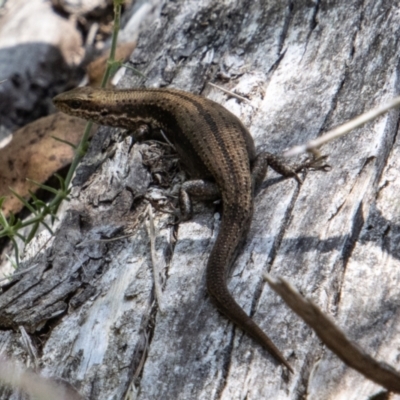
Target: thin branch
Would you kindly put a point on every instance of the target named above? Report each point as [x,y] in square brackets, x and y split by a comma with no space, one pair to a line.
[241,98]
[167,140]
[343,129]
[114,239]
[19,273]
[157,264]
[334,338]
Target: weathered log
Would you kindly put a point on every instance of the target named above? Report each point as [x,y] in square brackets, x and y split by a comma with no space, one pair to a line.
[304,67]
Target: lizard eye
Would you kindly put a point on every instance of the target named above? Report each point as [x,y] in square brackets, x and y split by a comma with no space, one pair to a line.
[75,104]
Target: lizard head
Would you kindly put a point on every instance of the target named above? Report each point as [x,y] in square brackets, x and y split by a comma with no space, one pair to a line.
[83,102]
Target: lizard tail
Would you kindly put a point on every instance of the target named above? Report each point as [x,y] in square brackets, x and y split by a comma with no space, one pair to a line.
[223,254]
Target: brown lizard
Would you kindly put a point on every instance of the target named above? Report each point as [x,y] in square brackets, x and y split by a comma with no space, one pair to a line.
[219,154]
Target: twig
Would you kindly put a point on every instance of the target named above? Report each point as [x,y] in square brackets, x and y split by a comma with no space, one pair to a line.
[154,259]
[86,242]
[343,129]
[350,353]
[241,98]
[19,273]
[143,358]
[138,370]
[167,140]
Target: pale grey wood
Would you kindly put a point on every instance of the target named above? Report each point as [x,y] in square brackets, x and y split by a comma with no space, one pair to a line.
[305,67]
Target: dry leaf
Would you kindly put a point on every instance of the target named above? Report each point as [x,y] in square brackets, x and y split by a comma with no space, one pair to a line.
[33,153]
[96,68]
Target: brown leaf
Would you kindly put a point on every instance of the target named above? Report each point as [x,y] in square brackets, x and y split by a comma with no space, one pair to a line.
[96,68]
[34,153]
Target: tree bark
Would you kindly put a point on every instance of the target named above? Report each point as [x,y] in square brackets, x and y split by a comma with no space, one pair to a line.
[90,305]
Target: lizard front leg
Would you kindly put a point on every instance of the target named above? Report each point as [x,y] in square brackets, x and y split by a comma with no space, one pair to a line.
[281,166]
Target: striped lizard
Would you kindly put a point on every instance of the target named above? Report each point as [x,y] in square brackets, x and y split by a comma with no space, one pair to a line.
[220,157]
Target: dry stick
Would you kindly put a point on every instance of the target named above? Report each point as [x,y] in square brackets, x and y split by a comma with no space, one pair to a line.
[241,98]
[87,242]
[138,369]
[143,358]
[130,394]
[343,129]
[166,139]
[350,353]
[154,259]
[15,274]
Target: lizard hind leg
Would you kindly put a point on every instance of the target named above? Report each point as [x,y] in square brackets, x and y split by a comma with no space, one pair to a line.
[198,188]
